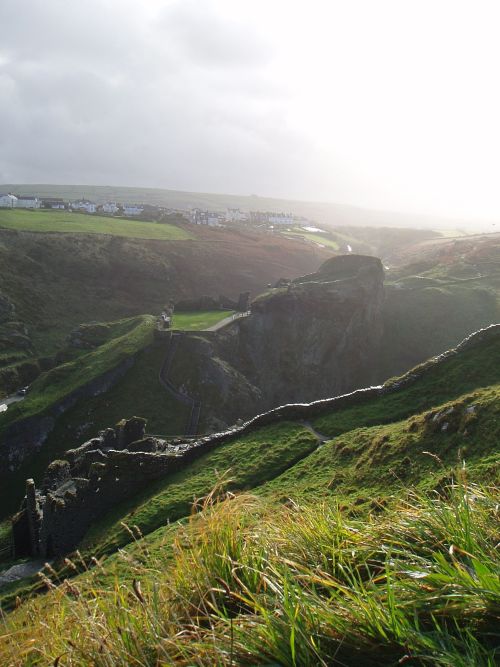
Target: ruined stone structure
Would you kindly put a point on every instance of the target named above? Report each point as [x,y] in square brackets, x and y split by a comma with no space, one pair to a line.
[92,479]
[25,437]
[122,461]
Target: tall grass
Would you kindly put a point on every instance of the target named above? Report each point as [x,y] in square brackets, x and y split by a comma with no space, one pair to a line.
[252,583]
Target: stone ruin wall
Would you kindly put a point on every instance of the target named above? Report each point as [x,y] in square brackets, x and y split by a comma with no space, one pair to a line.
[122,461]
[26,436]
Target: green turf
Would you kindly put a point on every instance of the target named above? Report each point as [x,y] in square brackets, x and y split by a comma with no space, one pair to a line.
[138,392]
[245,463]
[198,321]
[321,239]
[468,378]
[79,223]
[52,386]
[378,449]
[61,380]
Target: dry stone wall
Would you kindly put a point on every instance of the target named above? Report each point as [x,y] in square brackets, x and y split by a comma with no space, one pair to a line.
[122,461]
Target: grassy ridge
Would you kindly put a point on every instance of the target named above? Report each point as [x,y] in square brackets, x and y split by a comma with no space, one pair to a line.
[57,383]
[376,447]
[250,460]
[336,558]
[51,387]
[247,583]
[79,223]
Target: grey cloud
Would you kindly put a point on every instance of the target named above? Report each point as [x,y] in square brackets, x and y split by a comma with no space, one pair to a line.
[95,92]
[209,38]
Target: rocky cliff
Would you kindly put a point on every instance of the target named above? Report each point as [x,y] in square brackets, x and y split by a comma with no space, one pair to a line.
[313,337]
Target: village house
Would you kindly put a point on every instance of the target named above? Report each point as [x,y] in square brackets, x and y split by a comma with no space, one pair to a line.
[133,209]
[84,205]
[110,207]
[53,203]
[8,200]
[235,215]
[28,201]
[210,218]
[281,219]
[269,218]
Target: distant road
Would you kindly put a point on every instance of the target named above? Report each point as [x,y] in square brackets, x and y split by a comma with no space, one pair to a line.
[227,320]
[5,402]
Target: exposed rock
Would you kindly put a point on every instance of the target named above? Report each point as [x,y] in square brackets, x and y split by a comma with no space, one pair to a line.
[130,430]
[243,302]
[318,336]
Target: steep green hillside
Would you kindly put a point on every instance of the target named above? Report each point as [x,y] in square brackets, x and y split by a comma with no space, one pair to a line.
[441,292]
[374,448]
[115,343]
[247,583]
[51,282]
[353,547]
[55,384]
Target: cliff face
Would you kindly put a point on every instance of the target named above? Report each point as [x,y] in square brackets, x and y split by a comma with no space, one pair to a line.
[315,337]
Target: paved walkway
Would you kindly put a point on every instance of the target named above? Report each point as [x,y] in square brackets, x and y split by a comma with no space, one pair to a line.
[227,320]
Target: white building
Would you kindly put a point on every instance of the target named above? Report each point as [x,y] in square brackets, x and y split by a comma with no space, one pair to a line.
[110,207]
[210,218]
[281,219]
[132,209]
[28,201]
[8,201]
[235,215]
[84,205]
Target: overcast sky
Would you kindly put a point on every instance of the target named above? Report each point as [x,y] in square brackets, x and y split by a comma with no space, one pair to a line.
[393,104]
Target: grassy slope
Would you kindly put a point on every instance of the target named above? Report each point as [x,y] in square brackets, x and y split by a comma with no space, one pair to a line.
[53,385]
[320,239]
[378,450]
[137,392]
[244,464]
[386,423]
[79,223]
[445,292]
[130,337]
[199,320]
[59,280]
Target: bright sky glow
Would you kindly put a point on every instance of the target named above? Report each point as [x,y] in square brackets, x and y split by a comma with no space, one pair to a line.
[392,104]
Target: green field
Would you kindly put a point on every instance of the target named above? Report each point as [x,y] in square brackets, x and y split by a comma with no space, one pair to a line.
[316,238]
[199,321]
[79,223]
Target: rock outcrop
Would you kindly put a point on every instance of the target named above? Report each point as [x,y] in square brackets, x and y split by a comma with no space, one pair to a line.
[313,337]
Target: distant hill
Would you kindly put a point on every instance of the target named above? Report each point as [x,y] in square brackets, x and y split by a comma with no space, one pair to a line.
[323,212]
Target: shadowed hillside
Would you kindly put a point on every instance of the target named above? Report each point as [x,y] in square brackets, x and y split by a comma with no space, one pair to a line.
[388,530]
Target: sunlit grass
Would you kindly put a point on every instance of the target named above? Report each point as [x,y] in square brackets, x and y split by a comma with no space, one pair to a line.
[197,321]
[79,223]
[247,583]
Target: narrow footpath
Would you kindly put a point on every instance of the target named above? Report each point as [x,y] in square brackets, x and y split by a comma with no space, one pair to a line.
[321,437]
[227,320]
